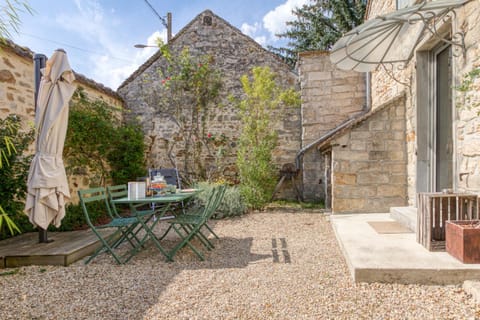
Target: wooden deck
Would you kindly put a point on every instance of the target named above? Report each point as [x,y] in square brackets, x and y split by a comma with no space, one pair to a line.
[66,248]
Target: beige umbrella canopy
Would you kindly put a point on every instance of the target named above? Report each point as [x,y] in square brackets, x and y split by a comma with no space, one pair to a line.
[47,186]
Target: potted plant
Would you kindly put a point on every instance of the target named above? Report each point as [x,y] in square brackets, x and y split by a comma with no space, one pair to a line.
[462,239]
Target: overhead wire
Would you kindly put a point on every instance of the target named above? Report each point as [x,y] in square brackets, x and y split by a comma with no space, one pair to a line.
[74,47]
[162,19]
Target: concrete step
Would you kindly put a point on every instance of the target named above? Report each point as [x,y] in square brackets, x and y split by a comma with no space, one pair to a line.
[395,258]
[407,216]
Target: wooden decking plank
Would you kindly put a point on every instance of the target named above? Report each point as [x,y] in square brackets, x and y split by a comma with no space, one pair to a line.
[66,248]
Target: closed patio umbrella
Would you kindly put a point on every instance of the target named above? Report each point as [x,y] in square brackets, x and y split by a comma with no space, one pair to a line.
[47,186]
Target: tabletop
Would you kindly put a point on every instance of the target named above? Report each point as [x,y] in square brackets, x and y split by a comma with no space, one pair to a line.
[166,198]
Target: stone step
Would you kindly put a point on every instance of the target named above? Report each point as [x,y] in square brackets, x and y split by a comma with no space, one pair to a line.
[407,216]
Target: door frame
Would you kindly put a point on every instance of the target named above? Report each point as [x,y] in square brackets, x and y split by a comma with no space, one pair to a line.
[425,149]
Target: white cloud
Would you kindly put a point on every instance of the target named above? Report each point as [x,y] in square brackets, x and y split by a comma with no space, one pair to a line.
[112,74]
[249,29]
[262,40]
[108,68]
[275,20]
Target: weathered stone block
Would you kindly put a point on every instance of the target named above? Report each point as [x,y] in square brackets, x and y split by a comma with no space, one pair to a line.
[342,154]
[319,75]
[344,178]
[340,205]
[389,190]
[372,178]
[358,145]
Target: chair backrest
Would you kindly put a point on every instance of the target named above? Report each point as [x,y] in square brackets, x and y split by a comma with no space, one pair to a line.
[170,174]
[91,195]
[214,200]
[116,192]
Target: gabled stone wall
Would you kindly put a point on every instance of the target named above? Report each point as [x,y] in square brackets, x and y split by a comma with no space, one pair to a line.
[234,54]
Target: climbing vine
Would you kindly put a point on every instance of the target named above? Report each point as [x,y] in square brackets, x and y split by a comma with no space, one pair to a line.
[190,85]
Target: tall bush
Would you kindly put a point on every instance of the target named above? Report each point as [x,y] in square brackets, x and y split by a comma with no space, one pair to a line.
[259,112]
[99,145]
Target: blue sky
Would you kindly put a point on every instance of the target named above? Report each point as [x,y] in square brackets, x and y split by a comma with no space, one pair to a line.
[99,35]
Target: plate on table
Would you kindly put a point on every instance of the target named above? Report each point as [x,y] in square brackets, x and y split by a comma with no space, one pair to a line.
[188,190]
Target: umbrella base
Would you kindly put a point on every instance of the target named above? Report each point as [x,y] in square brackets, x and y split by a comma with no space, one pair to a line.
[43,236]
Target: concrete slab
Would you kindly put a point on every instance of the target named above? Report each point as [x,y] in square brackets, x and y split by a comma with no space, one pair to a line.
[394,258]
[405,215]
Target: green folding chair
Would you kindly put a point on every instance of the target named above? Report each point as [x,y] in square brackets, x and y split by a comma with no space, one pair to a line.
[95,201]
[189,226]
[121,191]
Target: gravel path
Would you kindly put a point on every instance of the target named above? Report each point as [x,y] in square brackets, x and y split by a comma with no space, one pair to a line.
[265,266]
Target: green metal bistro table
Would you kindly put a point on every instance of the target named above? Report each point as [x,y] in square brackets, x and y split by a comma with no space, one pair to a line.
[165,201]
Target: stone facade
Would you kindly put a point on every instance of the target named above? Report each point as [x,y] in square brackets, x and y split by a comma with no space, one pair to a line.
[466,135]
[17,89]
[329,98]
[369,162]
[233,54]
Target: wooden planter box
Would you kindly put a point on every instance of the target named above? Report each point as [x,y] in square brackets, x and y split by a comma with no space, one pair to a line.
[463,240]
[434,209]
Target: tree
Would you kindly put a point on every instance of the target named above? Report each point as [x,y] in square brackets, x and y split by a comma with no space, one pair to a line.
[319,25]
[9,18]
[263,100]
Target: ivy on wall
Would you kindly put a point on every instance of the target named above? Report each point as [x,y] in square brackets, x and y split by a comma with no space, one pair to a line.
[191,86]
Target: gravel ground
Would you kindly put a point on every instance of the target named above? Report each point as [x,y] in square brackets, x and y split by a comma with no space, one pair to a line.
[265,266]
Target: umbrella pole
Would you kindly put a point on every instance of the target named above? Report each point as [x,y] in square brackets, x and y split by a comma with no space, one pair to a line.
[39,62]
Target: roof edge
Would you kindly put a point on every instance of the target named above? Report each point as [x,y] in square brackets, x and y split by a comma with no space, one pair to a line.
[158,54]
[27,53]
[328,137]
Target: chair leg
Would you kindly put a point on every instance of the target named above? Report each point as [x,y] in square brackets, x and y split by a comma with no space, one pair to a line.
[106,247]
[201,237]
[185,242]
[211,231]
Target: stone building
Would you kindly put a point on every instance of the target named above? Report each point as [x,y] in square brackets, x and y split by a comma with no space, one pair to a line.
[442,133]
[419,132]
[232,53]
[17,89]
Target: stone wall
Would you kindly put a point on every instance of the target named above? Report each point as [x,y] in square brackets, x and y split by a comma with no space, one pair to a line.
[466,120]
[329,97]
[369,162]
[233,54]
[17,89]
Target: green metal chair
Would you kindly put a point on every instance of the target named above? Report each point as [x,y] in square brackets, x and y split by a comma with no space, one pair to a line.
[121,191]
[189,226]
[125,227]
[144,216]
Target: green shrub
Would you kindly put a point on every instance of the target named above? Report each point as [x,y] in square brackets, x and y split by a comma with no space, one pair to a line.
[231,205]
[99,145]
[75,219]
[259,112]
[14,172]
